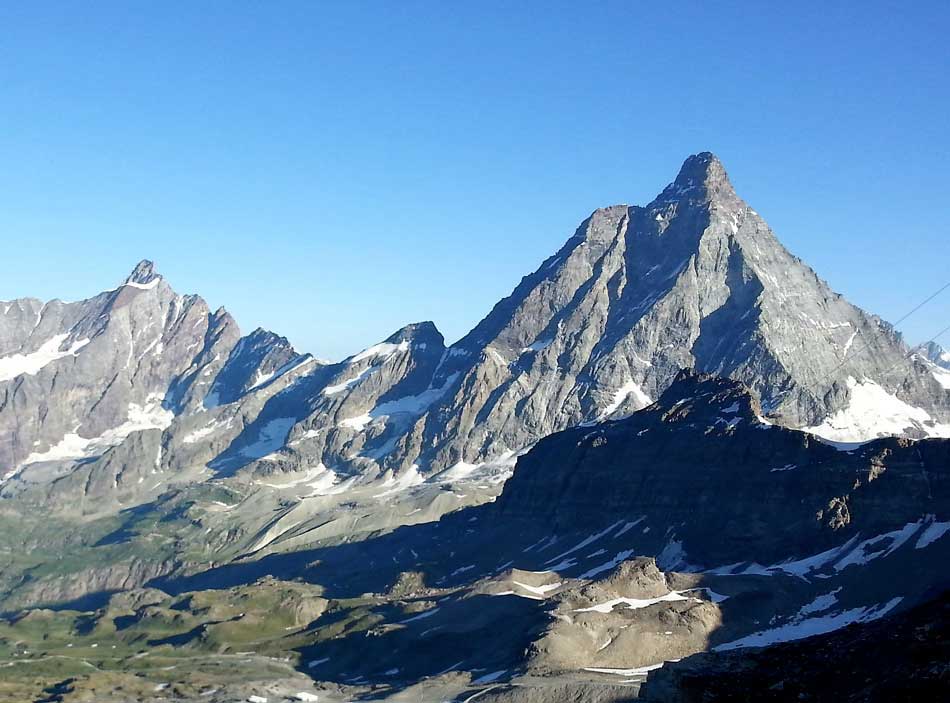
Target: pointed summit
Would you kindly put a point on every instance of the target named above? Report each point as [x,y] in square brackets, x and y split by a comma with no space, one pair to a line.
[144,274]
[701,177]
[701,168]
[417,332]
[935,353]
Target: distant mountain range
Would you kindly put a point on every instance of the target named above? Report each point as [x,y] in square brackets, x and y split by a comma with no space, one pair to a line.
[671,384]
[142,376]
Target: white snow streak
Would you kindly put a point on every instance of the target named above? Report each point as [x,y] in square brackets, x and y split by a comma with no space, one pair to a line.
[627,389]
[538,590]
[150,416]
[270,438]
[635,603]
[143,286]
[384,349]
[933,532]
[30,364]
[800,629]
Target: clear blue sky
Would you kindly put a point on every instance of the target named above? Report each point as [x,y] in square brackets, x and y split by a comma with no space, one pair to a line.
[333,171]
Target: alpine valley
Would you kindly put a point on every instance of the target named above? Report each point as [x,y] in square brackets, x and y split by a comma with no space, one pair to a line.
[672,465]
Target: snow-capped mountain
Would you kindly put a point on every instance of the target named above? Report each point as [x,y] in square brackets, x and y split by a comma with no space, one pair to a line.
[695,279]
[158,384]
[935,353]
[933,356]
[118,377]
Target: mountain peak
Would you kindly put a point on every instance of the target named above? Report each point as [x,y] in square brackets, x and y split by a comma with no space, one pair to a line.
[700,167]
[701,176]
[935,353]
[714,394]
[144,273]
[417,332]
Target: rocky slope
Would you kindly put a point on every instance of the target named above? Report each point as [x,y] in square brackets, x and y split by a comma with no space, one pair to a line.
[688,527]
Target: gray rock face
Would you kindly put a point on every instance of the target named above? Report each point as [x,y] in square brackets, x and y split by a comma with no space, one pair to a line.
[254,361]
[345,418]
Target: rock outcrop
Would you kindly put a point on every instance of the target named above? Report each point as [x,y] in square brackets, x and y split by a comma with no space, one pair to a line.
[727,484]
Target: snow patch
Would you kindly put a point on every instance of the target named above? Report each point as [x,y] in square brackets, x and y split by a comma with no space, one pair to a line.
[349,383]
[407,479]
[539,345]
[414,404]
[820,604]
[357,423]
[150,416]
[270,438]
[421,616]
[787,467]
[873,412]
[851,553]
[319,478]
[30,364]
[621,394]
[847,346]
[616,561]
[206,431]
[629,526]
[673,557]
[942,376]
[635,603]
[800,629]
[879,546]
[494,470]
[386,349]
[639,671]
[143,286]
[584,543]
[538,590]
[934,531]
